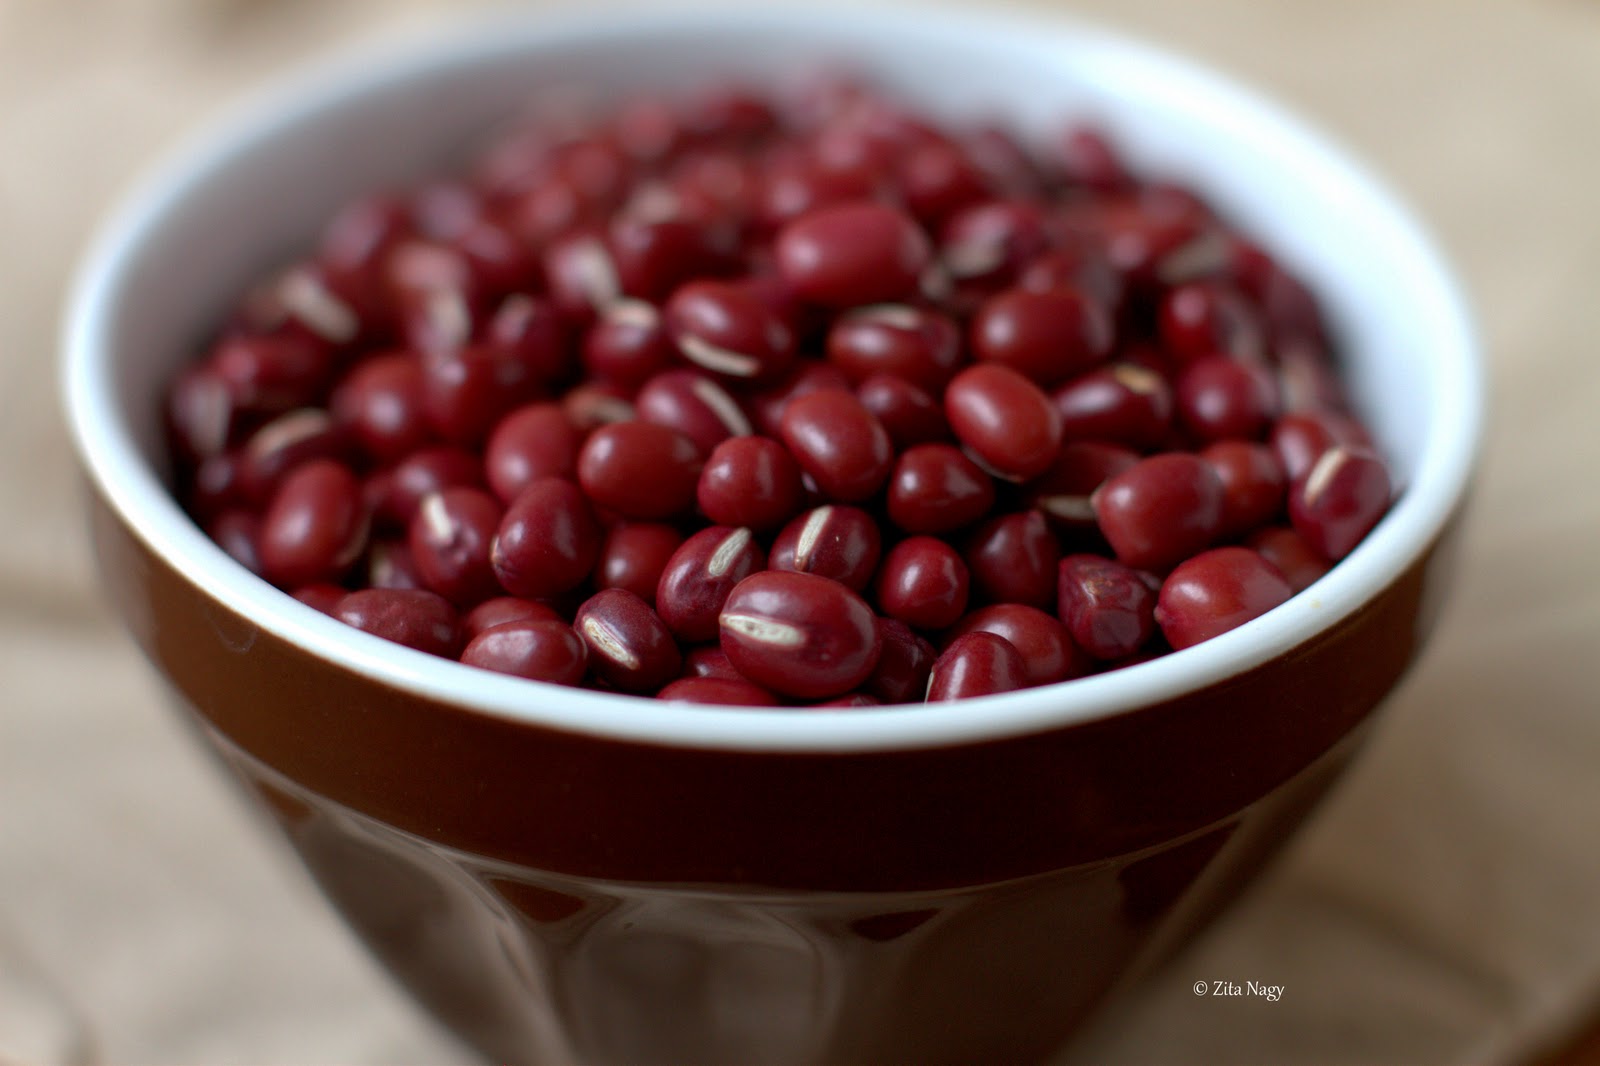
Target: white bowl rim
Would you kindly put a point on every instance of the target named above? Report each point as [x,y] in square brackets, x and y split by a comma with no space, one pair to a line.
[107,450]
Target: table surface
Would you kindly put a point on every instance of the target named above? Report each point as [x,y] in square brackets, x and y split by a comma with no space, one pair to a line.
[1443,907]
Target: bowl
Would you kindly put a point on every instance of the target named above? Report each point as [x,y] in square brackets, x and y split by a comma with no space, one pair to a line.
[564,875]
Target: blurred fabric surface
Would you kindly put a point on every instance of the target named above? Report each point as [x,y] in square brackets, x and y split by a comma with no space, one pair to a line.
[1443,907]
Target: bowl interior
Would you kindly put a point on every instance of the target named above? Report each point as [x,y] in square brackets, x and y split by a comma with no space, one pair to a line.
[254,191]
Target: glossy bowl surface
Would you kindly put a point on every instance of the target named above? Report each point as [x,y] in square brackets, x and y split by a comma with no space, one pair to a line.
[573,875]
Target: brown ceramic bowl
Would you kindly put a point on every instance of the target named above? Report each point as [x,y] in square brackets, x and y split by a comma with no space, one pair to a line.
[567,875]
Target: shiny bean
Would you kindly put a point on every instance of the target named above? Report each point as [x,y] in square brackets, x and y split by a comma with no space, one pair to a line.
[699,577]
[799,635]
[548,540]
[538,649]
[630,648]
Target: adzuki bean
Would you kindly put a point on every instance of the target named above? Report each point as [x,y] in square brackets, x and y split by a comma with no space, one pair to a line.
[729,398]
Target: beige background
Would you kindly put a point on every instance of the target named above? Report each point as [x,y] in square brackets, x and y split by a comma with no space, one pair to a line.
[1445,907]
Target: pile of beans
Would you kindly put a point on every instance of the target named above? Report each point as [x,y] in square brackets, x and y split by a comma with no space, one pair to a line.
[798,398]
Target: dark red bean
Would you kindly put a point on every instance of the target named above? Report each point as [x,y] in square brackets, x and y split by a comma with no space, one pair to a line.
[449,540]
[1108,608]
[1338,501]
[634,556]
[653,256]
[288,441]
[1122,404]
[1216,591]
[529,332]
[238,533]
[1048,654]
[630,648]
[935,488]
[750,481]
[395,493]
[1300,563]
[592,404]
[315,527]
[936,180]
[639,470]
[694,405]
[467,393]
[726,329]
[804,185]
[847,255]
[538,649]
[272,373]
[1013,558]
[1220,398]
[1160,511]
[580,275]
[200,413]
[915,344]
[548,540]
[628,345]
[416,618]
[381,401]
[839,443]
[849,699]
[976,664]
[709,660]
[901,675]
[1065,492]
[1301,439]
[923,582]
[832,541]
[1082,267]
[322,596]
[1307,383]
[721,691]
[988,242]
[1253,484]
[438,302]
[1004,420]
[766,406]
[1046,336]
[1204,318]
[502,609]
[699,577]
[799,635]
[389,564]
[530,443]
[909,415]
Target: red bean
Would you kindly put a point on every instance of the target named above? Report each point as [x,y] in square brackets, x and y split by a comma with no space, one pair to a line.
[1013,558]
[1108,608]
[272,374]
[1004,420]
[416,618]
[839,443]
[389,564]
[799,635]
[200,413]
[849,699]
[315,527]
[634,556]
[530,443]
[919,346]
[909,415]
[321,596]
[1205,318]
[935,488]
[847,255]
[1124,404]
[1046,336]
[1160,511]
[548,540]
[592,404]
[1338,501]
[630,648]
[832,541]
[465,394]
[288,441]
[766,406]
[988,242]
[1048,654]
[528,331]
[395,494]
[639,470]
[653,256]
[1300,563]
[449,540]
[936,180]
[750,481]
[1082,267]
[381,402]
[1065,492]
[539,649]
[709,660]
[1216,591]
[694,405]
[793,189]
[699,577]
[502,609]
[724,691]
[901,675]
[976,664]
[237,533]
[628,345]
[1220,398]
[923,582]
[726,329]
[1301,439]
[1253,484]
